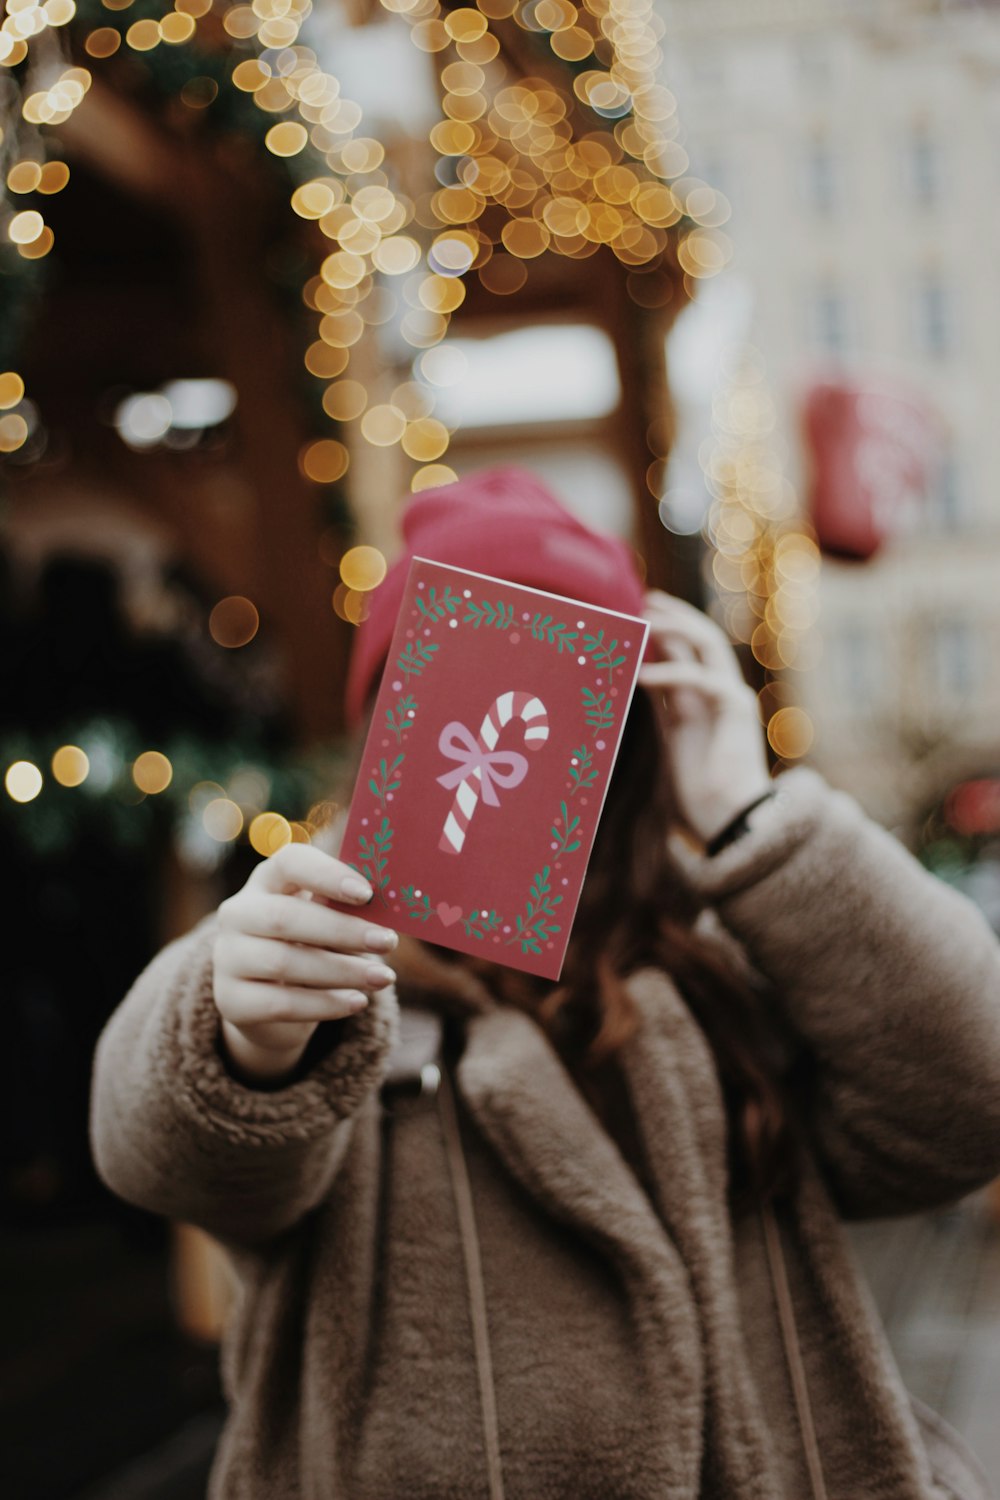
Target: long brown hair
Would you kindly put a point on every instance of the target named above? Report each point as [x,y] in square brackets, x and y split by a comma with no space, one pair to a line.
[636,911]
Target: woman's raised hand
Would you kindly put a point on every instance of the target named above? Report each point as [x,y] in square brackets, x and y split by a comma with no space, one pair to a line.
[284,961]
[712,731]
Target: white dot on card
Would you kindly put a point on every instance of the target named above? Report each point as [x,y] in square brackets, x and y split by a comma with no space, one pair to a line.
[397,687]
[581,661]
[466,593]
[600,744]
[452,624]
[419,585]
[525,616]
[565,880]
[627,645]
[388,796]
[391,894]
[580,624]
[364,822]
[427,631]
[484,913]
[506,929]
[574,761]
[418,894]
[412,714]
[600,682]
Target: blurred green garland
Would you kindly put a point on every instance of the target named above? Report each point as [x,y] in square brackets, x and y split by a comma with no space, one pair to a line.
[109,806]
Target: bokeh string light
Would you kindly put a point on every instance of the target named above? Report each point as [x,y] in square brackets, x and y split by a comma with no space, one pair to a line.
[212,795]
[763,561]
[581,158]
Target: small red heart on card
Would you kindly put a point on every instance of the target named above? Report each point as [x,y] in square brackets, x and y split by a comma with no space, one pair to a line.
[448,914]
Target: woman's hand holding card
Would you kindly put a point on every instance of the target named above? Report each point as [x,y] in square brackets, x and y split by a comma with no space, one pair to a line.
[284,960]
[712,731]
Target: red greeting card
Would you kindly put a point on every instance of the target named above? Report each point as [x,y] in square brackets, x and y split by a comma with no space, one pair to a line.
[494,735]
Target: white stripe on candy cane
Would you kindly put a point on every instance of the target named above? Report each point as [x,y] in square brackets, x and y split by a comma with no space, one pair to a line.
[466,797]
[532,713]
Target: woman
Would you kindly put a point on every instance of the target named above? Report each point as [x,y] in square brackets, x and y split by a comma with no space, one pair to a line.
[603,1258]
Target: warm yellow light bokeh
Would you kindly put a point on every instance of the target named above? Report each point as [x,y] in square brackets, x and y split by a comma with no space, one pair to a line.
[25,227]
[287,138]
[222,820]
[54,177]
[234,621]
[70,765]
[176,27]
[324,361]
[103,42]
[324,461]
[13,432]
[24,176]
[432,477]
[269,832]
[11,389]
[152,772]
[143,36]
[363,568]
[790,733]
[23,781]
[345,400]
[425,439]
[383,425]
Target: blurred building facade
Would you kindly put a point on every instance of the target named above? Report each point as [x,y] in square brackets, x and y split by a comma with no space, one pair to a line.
[857,145]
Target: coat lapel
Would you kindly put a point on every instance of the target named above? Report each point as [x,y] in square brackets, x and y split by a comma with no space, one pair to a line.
[527,1106]
[682,1123]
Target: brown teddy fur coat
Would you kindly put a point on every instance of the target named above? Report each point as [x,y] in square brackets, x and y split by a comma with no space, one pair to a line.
[636,1348]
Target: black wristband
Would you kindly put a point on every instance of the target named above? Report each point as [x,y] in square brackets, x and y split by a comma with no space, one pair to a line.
[736,826]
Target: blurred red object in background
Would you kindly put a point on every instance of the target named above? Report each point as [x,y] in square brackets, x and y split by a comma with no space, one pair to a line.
[873,451]
[973,807]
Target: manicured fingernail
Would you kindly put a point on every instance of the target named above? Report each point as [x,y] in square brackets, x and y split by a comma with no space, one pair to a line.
[354,1000]
[381,939]
[378,976]
[355,889]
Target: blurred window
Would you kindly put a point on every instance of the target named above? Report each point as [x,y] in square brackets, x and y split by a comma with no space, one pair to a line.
[945,499]
[859,665]
[546,373]
[707,68]
[954,657]
[820,177]
[546,396]
[815,62]
[922,167]
[828,316]
[933,315]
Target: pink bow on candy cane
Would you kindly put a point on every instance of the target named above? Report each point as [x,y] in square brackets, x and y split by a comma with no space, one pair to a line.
[496,768]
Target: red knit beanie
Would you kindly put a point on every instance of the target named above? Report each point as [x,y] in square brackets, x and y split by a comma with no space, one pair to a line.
[505,523]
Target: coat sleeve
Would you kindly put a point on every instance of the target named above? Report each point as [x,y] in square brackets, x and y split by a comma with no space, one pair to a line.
[173,1131]
[892,981]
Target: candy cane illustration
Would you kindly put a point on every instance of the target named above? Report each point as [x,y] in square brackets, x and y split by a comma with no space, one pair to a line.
[481,767]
